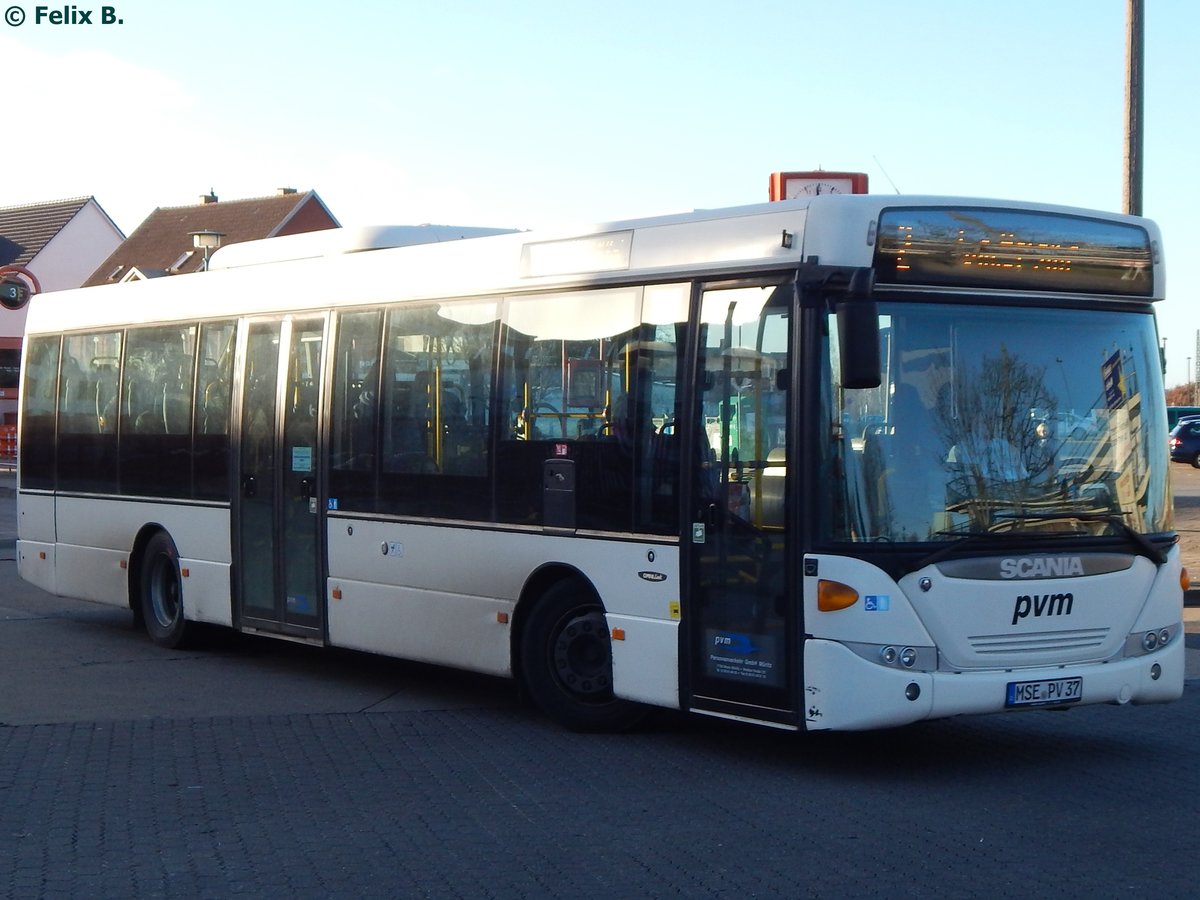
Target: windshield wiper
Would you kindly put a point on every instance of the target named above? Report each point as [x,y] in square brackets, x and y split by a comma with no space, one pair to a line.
[973,538]
[1136,538]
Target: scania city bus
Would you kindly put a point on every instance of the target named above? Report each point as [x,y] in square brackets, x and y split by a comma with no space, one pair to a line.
[841,462]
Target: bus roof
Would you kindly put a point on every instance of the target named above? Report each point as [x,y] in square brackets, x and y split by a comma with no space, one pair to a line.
[829,229]
[335,241]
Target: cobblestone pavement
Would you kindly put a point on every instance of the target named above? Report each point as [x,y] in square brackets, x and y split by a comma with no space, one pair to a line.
[486,803]
[490,800]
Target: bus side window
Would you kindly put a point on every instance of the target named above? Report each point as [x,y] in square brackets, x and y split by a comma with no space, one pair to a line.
[431,409]
[210,411]
[591,376]
[87,451]
[155,420]
[37,421]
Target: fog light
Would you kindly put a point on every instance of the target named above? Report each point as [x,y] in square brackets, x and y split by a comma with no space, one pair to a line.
[908,657]
[1163,637]
[888,655]
[913,691]
[1150,640]
[1155,672]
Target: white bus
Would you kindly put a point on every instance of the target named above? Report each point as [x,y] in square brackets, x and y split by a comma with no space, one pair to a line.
[843,462]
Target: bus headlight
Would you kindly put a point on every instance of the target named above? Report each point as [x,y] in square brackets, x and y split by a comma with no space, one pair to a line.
[917,658]
[1140,643]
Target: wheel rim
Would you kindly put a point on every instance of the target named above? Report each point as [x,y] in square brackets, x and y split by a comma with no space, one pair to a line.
[582,656]
[163,588]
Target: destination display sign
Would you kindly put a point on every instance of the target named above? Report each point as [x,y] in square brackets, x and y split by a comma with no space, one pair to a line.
[1015,249]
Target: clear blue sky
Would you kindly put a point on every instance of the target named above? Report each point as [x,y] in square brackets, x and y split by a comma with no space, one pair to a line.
[529,113]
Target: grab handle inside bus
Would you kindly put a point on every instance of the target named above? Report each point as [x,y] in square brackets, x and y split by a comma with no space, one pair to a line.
[858,332]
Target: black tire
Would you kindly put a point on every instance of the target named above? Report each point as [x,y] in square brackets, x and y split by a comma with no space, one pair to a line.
[160,593]
[566,662]
[1196,461]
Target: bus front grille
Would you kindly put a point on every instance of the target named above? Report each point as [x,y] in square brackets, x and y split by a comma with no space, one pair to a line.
[989,646]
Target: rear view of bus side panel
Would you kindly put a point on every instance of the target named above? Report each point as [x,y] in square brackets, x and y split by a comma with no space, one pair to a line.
[35,547]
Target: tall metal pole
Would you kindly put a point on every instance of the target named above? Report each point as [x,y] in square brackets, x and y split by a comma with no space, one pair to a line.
[1134,51]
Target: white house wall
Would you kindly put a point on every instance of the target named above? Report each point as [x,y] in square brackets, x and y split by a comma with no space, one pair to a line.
[69,258]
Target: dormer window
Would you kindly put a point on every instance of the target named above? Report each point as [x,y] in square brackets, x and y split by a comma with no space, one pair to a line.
[184,257]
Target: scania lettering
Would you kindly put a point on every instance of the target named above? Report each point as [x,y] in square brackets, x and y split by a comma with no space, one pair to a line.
[1041,567]
[781,464]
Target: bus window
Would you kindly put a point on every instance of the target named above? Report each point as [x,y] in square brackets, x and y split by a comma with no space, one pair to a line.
[156,410]
[978,417]
[87,405]
[356,410]
[590,376]
[210,438]
[38,402]
[434,409]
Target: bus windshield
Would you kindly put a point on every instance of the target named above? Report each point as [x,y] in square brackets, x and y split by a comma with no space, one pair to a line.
[987,421]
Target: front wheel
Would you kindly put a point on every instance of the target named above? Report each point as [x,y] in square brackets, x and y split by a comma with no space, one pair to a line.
[1196,461]
[161,593]
[566,662]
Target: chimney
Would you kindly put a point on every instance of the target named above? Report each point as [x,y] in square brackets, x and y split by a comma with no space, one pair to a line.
[208,198]
[284,192]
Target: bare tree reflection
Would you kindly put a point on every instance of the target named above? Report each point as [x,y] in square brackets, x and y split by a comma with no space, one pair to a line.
[997,421]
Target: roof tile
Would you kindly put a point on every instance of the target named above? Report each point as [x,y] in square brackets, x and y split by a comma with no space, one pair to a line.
[166,234]
[26,230]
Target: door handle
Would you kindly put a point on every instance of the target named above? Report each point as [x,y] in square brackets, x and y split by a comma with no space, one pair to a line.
[249,486]
[306,488]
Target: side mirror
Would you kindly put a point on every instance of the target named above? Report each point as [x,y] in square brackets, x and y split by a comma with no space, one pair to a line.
[858,332]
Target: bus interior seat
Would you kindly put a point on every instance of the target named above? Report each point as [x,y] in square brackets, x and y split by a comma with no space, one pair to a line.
[148,422]
[106,401]
[216,407]
[176,411]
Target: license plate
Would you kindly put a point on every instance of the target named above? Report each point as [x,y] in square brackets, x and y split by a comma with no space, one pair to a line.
[1050,692]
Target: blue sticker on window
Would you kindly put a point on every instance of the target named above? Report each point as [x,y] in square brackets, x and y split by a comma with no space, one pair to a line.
[876,602]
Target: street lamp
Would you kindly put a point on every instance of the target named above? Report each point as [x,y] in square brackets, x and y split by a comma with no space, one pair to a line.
[206,240]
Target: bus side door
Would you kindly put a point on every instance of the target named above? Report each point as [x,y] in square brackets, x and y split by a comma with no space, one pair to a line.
[277,539]
[740,615]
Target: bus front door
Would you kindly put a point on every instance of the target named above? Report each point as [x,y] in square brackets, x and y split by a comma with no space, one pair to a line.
[277,549]
[741,627]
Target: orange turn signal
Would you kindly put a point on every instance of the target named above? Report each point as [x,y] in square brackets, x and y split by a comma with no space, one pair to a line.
[833,595]
[1185,580]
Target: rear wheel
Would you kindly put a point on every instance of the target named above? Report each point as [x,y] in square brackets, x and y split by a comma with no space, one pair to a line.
[566,662]
[161,593]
